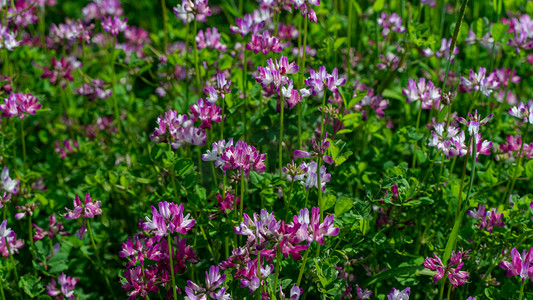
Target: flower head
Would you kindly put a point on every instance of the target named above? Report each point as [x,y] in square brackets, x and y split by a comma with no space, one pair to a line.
[20,105]
[66,287]
[114,25]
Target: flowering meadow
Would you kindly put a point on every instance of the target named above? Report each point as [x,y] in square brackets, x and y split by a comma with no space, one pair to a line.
[266,149]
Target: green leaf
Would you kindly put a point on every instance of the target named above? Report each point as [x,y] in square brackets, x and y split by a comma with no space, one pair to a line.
[378,5]
[343,205]
[329,202]
[499,30]
[31,285]
[479,27]
[183,166]
[529,169]
[399,271]
[338,42]
[225,62]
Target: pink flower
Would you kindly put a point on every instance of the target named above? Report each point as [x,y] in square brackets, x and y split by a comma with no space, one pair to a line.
[264,43]
[243,157]
[520,264]
[19,105]
[455,275]
[114,25]
[206,112]
[211,39]
[168,219]
[66,286]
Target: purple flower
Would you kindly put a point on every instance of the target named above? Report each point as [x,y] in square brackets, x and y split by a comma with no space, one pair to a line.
[305,8]
[474,122]
[392,22]
[264,43]
[218,149]
[9,185]
[211,39]
[213,280]
[100,8]
[399,295]
[177,130]
[94,90]
[431,3]
[424,91]
[87,211]
[222,88]
[520,264]
[445,141]
[294,293]
[243,157]
[205,112]
[10,237]
[455,275]
[320,79]
[114,25]
[54,228]
[168,219]
[247,25]
[376,102]
[7,39]
[139,282]
[191,8]
[523,111]
[444,50]
[66,286]
[308,227]
[19,105]
[480,82]
[363,294]
[320,150]
[311,177]
[60,72]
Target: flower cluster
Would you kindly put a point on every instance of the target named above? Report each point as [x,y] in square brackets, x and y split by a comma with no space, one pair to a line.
[488,219]
[480,81]
[247,25]
[140,278]
[7,184]
[523,111]
[274,81]
[54,228]
[94,90]
[319,80]
[396,294]
[222,88]
[66,147]
[66,287]
[87,210]
[20,105]
[242,157]
[228,203]
[455,275]
[8,39]
[59,73]
[211,39]
[189,9]
[114,25]
[264,43]
[206,112]
[511,148]
[8,240]
[521,265]
[522,31]
[370,99]
[425,91]
[213,281]
[177,130]
[168,219]
[390,23]
[305,8]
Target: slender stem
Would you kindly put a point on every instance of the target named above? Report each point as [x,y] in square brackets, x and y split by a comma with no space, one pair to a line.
[518,163]
[302,55]
[23,143]
[30,233]
[302,268]
[13,262]
[100,265]
[350,22]
[449,291]
[113,79]
[473,174]
[280,156]
[278,260]
[242,196]
[415,145]
[288,202]
[442,284]
[187,61]
[244,89]
[2,291]
[259,292]
[319,182]
[165,29]
[522,290]
[195,50]
[171,254]
[299,106]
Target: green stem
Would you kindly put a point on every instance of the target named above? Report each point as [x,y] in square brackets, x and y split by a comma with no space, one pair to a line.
[30,232]
[518,164]
[288,202]
[242,196]
[23,143]
[350,22]
[2,291]
[415,145]
[278,262]
[302,55]
[165,29]
[441,290]
[280,156]
[100,265]
[114,79]
[302,268]
[187,61]
[522,290]
[170,254]
[244,90]
[195,50]
[259,274]
[319,163]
